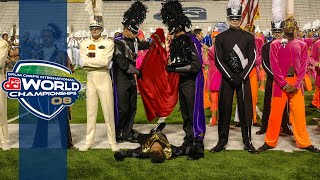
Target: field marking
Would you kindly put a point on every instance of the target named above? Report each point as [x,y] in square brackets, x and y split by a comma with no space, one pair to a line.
[17,117]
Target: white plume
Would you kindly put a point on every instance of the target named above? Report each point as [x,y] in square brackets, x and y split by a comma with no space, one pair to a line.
[94,9]
[234,3]
[278,10]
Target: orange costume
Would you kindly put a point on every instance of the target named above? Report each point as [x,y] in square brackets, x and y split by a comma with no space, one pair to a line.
[288,61]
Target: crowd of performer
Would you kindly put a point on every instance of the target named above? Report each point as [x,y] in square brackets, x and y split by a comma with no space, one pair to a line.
[203,71]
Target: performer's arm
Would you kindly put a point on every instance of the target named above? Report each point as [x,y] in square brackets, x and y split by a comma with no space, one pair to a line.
[137,153]
[142,45]
[3,53]
[176,151]
[275,68]
[193,68]
[266,61]
[119,57]
[251,58]
[301,72]
[100,60]
[314,53]
[221,65]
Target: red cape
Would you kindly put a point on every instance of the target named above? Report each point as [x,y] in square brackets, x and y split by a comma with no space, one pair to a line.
[158,88]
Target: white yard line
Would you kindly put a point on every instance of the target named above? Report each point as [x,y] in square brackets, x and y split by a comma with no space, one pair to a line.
[259,112]
[17,117]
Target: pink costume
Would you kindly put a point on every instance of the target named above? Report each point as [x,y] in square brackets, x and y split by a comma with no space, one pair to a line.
[315,55]
[259,43]
[214,77]
[281,55]
[140,57]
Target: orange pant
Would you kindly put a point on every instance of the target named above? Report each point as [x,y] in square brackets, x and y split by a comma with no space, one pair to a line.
[297,109]
[206,97]
[214,106]
[254,92]
[262,79]
[316,98]
[307,84]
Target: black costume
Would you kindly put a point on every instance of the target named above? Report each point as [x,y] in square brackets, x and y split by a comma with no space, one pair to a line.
[268,94]
[146,141]
[235,58]
[185,59]
[182,48]
[124,58]
[124,69]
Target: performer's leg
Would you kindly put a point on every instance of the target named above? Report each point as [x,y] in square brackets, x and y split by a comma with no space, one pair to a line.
[92,107]
[277,106]
[225,110]
[266,106]
[245,125]
[123,106]
[316,98]
[254,91]
[106,100]
[4,137]
[187,97]
[4,134]
[206,93]
[127,134]
[307,83]
[299,124]
[214,107]
[262,78]
[285,120]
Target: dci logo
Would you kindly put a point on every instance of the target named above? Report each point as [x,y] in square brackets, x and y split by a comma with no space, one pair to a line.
[43,88]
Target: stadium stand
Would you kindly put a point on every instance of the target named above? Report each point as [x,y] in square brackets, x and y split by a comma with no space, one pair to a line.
[305,11]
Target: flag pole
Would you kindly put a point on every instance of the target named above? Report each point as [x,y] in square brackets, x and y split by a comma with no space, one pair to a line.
[249,14]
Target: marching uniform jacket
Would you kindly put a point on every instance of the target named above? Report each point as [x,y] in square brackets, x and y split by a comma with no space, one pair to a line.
[233,43]
[283,55]
[125,54]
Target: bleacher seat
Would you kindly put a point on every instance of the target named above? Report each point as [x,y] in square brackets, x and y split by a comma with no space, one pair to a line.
[305,11]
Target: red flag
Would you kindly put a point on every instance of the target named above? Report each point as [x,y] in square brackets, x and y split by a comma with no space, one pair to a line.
[250,12]
[158,88]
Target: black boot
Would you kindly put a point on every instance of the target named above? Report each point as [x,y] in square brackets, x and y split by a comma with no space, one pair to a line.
[159,127]
[264,147]
[119,137]
[237,124]
[186,148]
[219,147]
[261,131]
[251,149]
[120,155]
[197,151]
[256,125]
[312,149]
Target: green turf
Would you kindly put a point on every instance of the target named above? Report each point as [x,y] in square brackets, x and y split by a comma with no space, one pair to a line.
[100,164]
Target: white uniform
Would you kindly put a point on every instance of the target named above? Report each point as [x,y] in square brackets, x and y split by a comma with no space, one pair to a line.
[4,135]
[99,86]
[76,52]
[70,42]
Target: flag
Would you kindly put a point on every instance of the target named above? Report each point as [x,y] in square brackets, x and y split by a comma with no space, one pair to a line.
[250,12]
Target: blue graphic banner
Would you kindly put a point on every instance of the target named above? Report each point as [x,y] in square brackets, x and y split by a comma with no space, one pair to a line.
[43,140]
